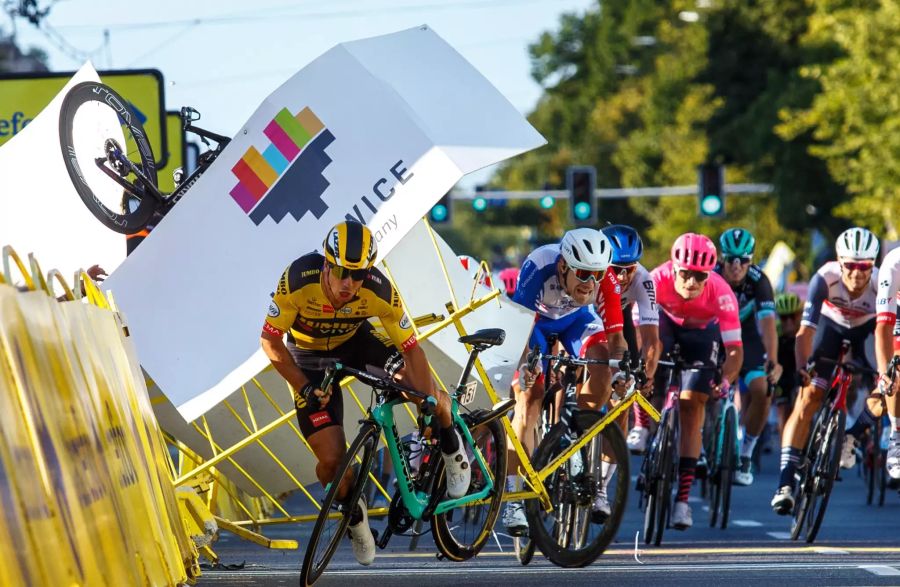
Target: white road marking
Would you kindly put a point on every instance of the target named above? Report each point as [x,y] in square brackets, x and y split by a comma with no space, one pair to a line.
[829,550]
[780,535]
[747,523]
[882,570]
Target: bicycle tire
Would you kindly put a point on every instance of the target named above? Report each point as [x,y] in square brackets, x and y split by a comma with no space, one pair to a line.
[729,463]
[798,516]
[359,458]
[715,484]
[880,462]
[79,152]
[523,546]
[461,539]
[571,509]
[651,470]
[668,461]
[826,472]
[870,460]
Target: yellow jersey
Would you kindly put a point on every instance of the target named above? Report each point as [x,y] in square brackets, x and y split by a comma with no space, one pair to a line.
[299,306]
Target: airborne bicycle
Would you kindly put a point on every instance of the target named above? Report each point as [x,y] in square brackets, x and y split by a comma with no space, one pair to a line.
[420,495]
[110,162]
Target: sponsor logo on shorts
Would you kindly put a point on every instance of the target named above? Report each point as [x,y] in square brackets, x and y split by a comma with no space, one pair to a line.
[320,419]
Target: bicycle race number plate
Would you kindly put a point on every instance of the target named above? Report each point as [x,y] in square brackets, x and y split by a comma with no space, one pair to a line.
[468,395]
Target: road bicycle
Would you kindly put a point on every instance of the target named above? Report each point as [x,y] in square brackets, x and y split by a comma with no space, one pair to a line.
[574,455]
[420,492]
[659,469]
[110,162]
[722,459]
[821,457]
[875,446]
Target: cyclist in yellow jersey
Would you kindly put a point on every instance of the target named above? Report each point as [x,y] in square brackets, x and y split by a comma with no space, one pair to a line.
[323,304]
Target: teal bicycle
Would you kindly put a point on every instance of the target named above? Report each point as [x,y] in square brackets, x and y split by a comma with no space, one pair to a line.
[421,491]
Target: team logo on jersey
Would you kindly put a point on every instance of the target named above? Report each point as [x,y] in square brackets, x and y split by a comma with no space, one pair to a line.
[274,310]
[287,177]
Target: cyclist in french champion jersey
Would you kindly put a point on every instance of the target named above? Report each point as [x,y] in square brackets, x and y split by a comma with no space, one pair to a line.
[887,345]
[840,305]
[638,306]
[697,311]
[756,309]
[559,282]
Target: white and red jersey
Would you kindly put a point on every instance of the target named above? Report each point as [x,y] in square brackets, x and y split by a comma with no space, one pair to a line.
[888,287]
[716,303]
[829,297]
[642,293]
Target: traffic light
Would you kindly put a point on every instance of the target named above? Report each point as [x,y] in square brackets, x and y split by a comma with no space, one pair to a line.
[711,183]
[581,181]
[441,213]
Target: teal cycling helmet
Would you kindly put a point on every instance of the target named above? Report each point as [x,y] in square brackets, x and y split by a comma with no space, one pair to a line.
[737,242]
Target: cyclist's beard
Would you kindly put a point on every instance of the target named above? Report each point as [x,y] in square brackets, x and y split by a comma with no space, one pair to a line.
[583,293]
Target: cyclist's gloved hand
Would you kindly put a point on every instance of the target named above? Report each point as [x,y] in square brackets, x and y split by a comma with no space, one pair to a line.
[527,376]
[774,372]
[313,395]
[885,385]
[723,388]
[803,377]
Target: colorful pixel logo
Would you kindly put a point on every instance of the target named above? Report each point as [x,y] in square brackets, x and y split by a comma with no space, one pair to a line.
[287,176]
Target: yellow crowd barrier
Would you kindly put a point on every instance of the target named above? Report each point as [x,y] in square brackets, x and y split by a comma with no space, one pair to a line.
[86,484]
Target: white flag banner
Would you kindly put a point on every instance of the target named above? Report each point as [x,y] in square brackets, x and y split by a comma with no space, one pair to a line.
[40,211]
[375,130]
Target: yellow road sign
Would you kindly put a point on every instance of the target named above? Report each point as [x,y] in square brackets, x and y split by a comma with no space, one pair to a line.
[23,96]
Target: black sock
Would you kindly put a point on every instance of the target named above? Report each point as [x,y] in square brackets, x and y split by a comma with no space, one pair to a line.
[865,420]
[449,440]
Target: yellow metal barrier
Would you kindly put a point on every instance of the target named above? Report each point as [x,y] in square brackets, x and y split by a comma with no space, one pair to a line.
[85,480]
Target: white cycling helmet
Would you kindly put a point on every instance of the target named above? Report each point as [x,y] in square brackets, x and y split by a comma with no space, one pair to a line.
[586,248]
[857,243]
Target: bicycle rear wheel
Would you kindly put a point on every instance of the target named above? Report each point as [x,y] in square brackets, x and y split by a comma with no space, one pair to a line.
[807,475]
[826,470]
[329,530]
[462,532]
[728,464]
[567,536]
[713,453]
[98,132]
[668,471]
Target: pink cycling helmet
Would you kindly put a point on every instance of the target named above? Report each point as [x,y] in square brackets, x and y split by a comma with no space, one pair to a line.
[509,276]
[694,251]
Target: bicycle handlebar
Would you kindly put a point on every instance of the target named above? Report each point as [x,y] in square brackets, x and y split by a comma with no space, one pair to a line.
[848,366]
[380,383]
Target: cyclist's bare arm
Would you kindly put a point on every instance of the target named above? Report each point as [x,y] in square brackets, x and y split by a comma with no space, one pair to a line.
[734,358]
[650,348]
[615,342]
[803,346]
[770,343]
[884,344]
[281,359]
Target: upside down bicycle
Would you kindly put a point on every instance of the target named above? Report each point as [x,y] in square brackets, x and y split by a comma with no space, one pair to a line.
[109,159]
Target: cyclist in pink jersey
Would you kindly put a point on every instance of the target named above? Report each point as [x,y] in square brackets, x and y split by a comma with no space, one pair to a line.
[699,312]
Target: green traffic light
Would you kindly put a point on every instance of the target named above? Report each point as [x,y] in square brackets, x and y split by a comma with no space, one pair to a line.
[582,210]
[547,202]
[479,204]
[439,213]
[711,204]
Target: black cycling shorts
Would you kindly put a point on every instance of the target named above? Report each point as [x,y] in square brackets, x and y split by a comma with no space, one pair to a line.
[365,350]
[699,346]
[827,344]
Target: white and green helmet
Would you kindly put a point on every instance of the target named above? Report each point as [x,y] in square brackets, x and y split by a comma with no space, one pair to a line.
[737,242]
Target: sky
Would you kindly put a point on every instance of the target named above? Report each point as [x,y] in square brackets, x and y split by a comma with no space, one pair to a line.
[223,57]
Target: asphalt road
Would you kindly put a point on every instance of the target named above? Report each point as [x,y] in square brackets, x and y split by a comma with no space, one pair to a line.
[857,545]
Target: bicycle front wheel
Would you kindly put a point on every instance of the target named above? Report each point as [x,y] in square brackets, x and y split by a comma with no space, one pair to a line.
[826,469]
[728,464]
[462,532]
[108,157]
[571,536]
[331,527]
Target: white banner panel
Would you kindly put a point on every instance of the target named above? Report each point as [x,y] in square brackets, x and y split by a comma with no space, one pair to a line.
[40,211]
[375,130]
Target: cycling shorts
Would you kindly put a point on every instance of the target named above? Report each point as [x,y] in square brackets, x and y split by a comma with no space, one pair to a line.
[365,350]
[754,365]
[827,344]
[569,330]
[699,346]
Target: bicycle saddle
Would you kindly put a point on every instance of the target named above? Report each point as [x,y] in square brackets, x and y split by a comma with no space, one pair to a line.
[487,337]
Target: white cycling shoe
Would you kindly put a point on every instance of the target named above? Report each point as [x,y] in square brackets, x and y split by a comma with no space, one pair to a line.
[457,471]
[681,516]
[848,452]
[514,519]
[600,509]
[637,440]
[893,460]
[744,475]
[361,537]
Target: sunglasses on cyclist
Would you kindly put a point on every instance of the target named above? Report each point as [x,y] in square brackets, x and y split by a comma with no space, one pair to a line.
[624,271]
[699,276]
[858,265]
[584,275]
[342,273]
[729,259]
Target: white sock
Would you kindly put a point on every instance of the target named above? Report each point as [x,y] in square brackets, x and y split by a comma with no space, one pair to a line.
[512,482]
[747,446]
[607,470]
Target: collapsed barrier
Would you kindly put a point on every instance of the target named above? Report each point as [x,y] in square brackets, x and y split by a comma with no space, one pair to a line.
[85,478]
